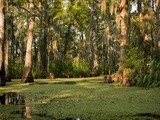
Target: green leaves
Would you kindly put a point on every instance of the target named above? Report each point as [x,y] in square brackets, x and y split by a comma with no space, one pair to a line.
[58,10]
[148,77]
[133,59]
[70,69]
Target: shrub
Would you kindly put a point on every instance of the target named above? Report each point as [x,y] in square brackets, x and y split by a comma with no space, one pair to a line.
[133,60]
[81,69]
[61,68]
[151,78]
[69,68]
[15,70]
[145,73]
[38,73]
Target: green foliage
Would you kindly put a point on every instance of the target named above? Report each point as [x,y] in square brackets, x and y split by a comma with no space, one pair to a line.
[58,11]
[61,68]
[133,59]
[151,77]
[145,73]
[81,69]
[15,70]
[38,73]
[69,68]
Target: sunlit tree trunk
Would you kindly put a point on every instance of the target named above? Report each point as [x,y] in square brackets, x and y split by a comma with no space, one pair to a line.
[2,71]
[124,35]
[27,75]
[93,56]
[40,34]
[91,45]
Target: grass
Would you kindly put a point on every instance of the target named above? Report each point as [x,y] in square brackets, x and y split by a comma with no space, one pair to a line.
[84,99]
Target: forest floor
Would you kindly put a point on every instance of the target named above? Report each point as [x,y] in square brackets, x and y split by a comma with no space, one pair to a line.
[77,99]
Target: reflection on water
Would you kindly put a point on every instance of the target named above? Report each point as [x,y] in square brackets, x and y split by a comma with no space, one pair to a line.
[12,98]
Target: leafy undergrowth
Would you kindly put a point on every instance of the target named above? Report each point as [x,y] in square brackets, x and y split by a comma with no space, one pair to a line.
[82,99]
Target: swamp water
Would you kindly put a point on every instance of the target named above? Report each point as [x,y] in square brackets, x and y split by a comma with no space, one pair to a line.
[23,107]
[18,106]
[16,99]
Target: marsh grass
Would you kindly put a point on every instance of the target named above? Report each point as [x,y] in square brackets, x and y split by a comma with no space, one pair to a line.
[85,98]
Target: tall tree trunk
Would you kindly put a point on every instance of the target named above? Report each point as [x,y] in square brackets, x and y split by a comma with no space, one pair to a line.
[157,44]
[12,40]
[40,35]
[93,57]
[2,70]
[106,51]
[124,36]
[6,44]
[27,75]
[35,59]
[140,39]
[44,37]
[66,41]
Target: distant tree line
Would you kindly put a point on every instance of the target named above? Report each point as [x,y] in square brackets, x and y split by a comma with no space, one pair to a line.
[80,38]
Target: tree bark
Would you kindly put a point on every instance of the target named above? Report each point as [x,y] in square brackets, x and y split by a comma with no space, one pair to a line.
[124,36]
[27,75]
[93,57]
[12,40]
[2,71]
[44,37]
[6,43]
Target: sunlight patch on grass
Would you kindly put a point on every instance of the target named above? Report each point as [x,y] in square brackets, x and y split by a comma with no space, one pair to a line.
[15,86]
[52,99]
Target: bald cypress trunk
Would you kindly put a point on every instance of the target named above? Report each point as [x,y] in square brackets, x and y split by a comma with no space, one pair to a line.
[124,37]
[6,43]
[44,21]
[2,70]
[27,74]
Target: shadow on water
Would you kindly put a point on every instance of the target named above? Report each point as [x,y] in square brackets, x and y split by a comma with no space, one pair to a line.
[66,82]
[141,116]
[61,82]
[50,117]
[151,115]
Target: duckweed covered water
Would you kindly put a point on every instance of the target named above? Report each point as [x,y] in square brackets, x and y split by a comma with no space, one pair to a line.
[79,101]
